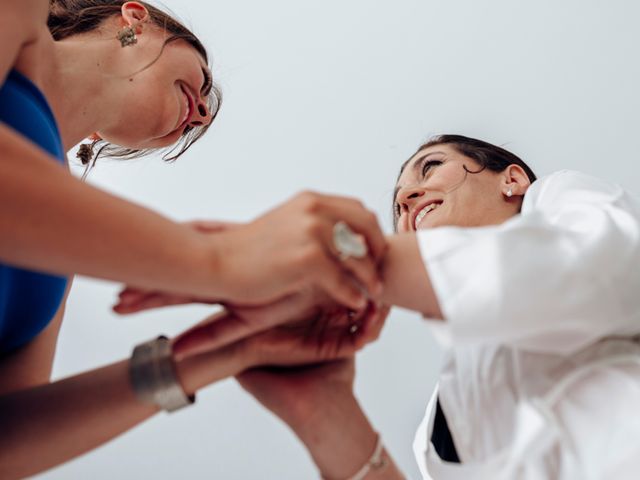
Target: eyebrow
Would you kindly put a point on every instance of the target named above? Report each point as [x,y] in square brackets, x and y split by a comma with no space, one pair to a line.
[417,165]
[208,82]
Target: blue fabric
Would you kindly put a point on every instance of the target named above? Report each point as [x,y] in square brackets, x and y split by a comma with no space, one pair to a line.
[28,299]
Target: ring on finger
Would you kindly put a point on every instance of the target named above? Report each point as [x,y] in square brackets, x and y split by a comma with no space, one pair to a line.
[348,243]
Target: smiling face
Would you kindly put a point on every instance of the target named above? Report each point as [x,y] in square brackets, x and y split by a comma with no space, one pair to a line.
[159,95]
[438,187]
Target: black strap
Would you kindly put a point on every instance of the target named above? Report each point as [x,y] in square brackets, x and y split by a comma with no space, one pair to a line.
[441,437]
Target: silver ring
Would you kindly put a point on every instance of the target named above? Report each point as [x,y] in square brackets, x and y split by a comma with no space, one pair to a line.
[348,243]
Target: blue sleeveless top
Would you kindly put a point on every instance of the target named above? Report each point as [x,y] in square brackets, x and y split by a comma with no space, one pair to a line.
[28,299]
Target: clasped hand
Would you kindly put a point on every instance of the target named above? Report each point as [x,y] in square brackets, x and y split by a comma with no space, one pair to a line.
[286,350]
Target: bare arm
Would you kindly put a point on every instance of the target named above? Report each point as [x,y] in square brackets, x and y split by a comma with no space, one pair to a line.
[406,280]
[56,223]
[65,419]
[53,222]
[318,404]
[342,439]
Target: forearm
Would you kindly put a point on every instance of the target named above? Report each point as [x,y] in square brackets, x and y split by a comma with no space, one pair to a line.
[65,419]
[405,278]
[56,223]
[341,440]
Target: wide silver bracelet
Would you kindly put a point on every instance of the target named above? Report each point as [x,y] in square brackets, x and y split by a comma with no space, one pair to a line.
[153,376]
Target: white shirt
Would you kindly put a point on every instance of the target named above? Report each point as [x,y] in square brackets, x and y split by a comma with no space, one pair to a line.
[542,371]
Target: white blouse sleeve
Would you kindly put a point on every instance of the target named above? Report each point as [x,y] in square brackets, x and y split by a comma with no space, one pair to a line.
[563,273]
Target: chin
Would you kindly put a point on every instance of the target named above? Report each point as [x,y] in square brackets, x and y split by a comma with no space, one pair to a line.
[436,224]
[159,142]
[169,139]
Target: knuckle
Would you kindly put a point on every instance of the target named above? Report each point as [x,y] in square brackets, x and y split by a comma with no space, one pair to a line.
[358,203]
[303,195]
[355,203]
[309,201]
[371,216]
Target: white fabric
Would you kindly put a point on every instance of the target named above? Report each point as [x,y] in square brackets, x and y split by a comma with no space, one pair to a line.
[542,371]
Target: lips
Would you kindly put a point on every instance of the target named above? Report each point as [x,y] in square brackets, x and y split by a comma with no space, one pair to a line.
[422,210]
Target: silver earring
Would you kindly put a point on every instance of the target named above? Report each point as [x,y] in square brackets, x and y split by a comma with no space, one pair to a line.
[510,193]
[127,37]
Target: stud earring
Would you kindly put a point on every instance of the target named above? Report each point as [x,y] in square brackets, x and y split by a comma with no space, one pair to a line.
[510,192]
[127,37]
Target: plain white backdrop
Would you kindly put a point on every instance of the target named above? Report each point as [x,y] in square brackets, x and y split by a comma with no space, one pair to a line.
[333,96]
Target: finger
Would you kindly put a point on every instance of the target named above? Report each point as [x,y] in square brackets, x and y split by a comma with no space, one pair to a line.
[365,271]
[151,301]
[212,335]
[285,348]
[339,285]
[341,343]
[132,295]
[129,299]
[359,219]
[373,324]
[289,309]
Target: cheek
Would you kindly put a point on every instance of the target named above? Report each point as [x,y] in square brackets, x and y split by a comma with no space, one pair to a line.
[470,210]
[147,115]
[452,178]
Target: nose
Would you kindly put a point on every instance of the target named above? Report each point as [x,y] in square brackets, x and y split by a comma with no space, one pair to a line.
[201,115]
[408,196]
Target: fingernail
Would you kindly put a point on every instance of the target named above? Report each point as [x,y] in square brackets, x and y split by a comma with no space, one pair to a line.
[362,303]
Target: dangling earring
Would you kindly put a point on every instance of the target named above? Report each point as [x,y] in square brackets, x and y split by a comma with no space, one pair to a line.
[127,37]
[85,152]
[510,192]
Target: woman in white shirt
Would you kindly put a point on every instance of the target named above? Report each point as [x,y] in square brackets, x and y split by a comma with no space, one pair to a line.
[532,289]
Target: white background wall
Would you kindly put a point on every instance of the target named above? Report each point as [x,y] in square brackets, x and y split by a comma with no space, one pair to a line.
[333,96]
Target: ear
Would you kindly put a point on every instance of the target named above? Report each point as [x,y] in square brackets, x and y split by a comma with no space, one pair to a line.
[134,14]
[514,180]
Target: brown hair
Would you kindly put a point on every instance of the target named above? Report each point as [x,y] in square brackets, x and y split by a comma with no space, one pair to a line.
[73,17]
[488,156]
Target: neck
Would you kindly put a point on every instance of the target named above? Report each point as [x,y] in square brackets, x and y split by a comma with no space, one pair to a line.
[79,88]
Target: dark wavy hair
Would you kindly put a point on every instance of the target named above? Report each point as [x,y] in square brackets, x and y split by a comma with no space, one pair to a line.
[73,17]
[488,156]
